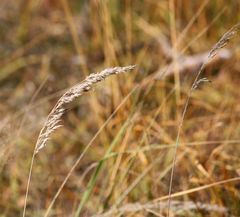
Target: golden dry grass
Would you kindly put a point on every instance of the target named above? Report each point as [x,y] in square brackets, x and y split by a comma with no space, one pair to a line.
[127,127]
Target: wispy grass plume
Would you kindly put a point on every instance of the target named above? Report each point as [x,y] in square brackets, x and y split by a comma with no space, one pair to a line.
[54,117]
[52,122]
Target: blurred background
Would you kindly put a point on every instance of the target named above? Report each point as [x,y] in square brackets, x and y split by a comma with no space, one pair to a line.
[46,46]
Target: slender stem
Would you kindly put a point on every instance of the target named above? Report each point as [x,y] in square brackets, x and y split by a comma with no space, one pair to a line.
[28,183]
[179,133]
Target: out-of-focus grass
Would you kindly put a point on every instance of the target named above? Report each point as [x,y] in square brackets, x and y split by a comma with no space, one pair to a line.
[47,46]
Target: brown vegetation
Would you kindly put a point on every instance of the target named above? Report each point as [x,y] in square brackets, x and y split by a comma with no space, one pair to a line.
[137,139]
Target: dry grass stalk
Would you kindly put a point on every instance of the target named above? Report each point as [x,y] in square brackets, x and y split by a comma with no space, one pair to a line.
[53,119]
[213,52]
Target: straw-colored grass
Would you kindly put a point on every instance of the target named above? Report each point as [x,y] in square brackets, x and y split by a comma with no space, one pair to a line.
[165,134]
[54,117]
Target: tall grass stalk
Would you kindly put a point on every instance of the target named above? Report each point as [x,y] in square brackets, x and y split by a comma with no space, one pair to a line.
[54,118]
[220,44]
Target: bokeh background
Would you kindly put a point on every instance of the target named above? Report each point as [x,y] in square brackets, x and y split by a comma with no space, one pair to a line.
[46,46]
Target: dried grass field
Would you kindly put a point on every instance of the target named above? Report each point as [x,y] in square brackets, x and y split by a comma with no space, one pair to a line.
[119,108]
